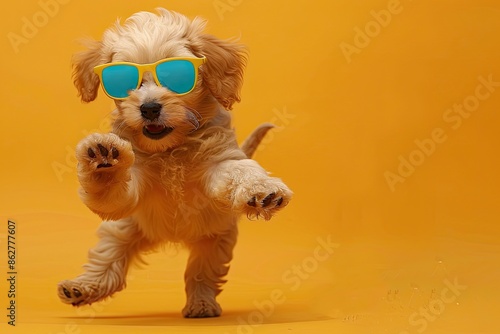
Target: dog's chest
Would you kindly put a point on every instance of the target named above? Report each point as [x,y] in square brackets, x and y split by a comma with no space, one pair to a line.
[171,204]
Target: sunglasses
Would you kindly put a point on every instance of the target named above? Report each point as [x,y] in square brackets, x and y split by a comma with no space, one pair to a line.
[177,74]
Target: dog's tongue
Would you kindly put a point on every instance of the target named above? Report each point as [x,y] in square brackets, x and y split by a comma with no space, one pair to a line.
[153,128]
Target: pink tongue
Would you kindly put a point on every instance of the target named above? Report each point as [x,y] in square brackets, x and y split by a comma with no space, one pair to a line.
[155,128]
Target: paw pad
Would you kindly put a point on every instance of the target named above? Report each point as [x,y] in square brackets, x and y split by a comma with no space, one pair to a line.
[263,198]
[271,200]
[103,155]
[70,294]
[103,151]
[268,200]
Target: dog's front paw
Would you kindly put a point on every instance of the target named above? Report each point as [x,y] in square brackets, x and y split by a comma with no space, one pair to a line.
[104,152]
[202,308]
[77,293]
[262,197]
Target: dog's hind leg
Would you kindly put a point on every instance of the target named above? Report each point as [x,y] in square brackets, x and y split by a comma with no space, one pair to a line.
[208,264]
[105,273]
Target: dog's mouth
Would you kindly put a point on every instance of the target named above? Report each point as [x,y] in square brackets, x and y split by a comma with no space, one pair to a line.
[156,131]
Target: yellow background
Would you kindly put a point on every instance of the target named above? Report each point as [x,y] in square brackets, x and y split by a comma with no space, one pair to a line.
[345,121]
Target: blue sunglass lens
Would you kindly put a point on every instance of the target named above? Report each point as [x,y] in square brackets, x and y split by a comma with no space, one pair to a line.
[176,75]
[118,80]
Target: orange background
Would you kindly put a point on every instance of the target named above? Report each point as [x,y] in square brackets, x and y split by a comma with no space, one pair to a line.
[363,93]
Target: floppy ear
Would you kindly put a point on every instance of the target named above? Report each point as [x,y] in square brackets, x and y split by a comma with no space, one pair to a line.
[223,70]
[84,78]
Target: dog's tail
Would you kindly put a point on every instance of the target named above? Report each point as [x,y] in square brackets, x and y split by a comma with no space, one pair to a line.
[252,142]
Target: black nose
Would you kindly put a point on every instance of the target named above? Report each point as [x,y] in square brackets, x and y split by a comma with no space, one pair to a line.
[150,110]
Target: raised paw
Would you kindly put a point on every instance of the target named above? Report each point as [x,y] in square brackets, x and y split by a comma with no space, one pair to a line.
[76,293]
[104,152]
[263,198]
[202,308]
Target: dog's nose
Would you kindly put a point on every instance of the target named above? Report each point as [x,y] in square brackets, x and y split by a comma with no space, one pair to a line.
[150,110]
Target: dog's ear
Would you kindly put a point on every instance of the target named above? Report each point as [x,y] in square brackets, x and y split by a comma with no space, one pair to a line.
[223,70]
[84,78]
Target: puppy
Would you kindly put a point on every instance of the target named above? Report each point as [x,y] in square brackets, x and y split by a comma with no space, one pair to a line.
[171,169]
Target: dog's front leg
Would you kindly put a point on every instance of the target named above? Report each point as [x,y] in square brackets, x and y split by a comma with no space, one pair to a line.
[104,172]
[243,186]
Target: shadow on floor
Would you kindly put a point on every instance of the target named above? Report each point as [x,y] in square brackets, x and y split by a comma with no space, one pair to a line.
[235,317]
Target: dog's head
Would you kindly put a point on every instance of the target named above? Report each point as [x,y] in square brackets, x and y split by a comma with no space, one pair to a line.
[153,117]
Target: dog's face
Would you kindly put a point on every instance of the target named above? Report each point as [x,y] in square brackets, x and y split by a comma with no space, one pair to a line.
[152,117]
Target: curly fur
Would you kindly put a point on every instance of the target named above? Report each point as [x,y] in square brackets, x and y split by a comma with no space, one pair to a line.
[188,187]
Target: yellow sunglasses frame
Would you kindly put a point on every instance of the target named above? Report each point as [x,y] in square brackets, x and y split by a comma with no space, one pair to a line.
[143,68]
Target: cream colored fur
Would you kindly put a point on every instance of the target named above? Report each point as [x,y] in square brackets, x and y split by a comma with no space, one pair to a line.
[189,187]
